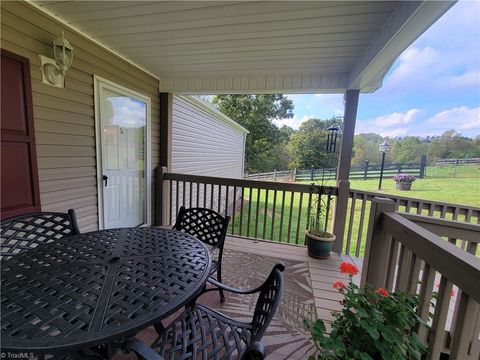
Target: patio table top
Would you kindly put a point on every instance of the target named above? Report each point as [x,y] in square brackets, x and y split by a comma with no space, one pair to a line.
[92,288]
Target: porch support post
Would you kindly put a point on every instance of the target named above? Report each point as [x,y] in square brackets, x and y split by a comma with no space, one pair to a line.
[162,190]
[343,170]
[377,247]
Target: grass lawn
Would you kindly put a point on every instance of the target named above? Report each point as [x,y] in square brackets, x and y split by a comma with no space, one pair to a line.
[465,191]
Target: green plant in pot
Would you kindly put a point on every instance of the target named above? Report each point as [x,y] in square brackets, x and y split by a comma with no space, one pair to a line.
[372,325]
[319,242]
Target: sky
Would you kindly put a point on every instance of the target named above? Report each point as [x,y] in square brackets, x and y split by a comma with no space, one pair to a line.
[432,87]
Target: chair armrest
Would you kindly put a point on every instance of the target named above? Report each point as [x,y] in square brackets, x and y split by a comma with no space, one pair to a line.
[255,351]
[219,285]
[144,351]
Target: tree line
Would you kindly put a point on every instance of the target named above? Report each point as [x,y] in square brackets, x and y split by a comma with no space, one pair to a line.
[270,147]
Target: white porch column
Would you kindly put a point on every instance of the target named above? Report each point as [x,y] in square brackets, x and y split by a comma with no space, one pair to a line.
[343,170]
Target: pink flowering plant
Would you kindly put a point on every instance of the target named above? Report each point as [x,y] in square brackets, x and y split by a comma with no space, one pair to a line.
[404,178]
[373,324]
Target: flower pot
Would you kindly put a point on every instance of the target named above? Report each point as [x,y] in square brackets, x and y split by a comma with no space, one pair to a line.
[404,185]
[319,245]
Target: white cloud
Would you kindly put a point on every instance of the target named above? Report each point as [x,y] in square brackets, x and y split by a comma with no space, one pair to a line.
[393,124]
[294,122]
[458,118]
[468,79]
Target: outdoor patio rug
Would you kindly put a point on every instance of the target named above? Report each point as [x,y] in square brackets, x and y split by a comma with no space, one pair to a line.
[286,337]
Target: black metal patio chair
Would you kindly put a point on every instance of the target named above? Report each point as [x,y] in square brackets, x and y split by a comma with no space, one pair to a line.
[204,333]
[27,231]
[209,227]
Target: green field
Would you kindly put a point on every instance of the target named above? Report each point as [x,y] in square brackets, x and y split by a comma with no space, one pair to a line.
[464,191]
[270,224]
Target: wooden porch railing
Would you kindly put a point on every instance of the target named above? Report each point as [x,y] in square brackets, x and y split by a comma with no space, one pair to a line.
[258,209]
[359,206]
[402,255]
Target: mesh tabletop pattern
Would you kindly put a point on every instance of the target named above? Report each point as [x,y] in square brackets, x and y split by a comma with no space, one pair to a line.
[95,287]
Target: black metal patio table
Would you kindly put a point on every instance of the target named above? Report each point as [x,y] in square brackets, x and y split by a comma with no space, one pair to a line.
[90,289]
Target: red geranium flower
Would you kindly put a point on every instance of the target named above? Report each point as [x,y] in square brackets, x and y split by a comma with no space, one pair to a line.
[348,268]
[381,291]
[339,285]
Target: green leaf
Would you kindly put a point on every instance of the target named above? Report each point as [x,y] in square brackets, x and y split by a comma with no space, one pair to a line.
[362,313]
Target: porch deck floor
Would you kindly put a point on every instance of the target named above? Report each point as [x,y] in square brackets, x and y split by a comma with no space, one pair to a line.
[322,272]
[308,292]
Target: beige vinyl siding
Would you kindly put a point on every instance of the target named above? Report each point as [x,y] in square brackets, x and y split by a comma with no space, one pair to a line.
[202,143]
[65,118]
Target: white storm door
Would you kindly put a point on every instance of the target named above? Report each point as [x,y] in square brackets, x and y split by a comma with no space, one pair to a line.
[123,124]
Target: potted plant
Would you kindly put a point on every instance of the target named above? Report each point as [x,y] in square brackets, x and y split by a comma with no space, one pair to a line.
[404,181]
[373,324]
[319,242]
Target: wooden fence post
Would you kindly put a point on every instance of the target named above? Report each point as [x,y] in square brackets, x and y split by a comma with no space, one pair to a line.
[294,174]
[423,164]
[312,169]
[365,170]
[275,175]
[340,214]
[377,247]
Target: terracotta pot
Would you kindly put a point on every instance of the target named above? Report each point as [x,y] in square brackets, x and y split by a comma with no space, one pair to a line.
[404,185]
[319,247]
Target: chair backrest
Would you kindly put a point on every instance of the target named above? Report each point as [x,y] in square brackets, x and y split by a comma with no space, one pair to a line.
[268,301]
[206,225]
[24,232]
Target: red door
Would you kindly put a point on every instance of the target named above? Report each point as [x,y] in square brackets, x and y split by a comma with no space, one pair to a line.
[19,178]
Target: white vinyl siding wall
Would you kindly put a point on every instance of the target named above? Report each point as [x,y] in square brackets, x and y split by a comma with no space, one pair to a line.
[203,143]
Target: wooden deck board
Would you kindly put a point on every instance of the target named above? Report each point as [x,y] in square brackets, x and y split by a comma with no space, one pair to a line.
[323,273]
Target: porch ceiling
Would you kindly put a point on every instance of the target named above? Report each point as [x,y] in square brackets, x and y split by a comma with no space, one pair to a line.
[238,47]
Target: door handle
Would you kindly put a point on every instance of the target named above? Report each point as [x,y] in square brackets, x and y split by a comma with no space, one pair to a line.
[105,180]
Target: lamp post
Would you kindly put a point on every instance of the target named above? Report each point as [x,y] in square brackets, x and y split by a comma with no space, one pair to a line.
[383,148]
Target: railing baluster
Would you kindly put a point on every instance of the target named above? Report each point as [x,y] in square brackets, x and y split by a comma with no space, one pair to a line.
[234,209]
[198,195]
[309,207]
[299,217]
[290,213]
[403,262]
[205,195]
[183,194]
[211,196]
[265,213]
[273,214]
[392,264]
[256,213]
[425,298]
[227,193]
[420,208]
[414,273]
[439,319]
[190,197]
[177,189]
[241,212]
[281,217]
[170,203]
[360,225]
[249,211]
[350,223]
[327,211]
[219,205]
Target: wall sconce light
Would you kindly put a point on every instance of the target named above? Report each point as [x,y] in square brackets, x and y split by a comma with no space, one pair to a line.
[53,70]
